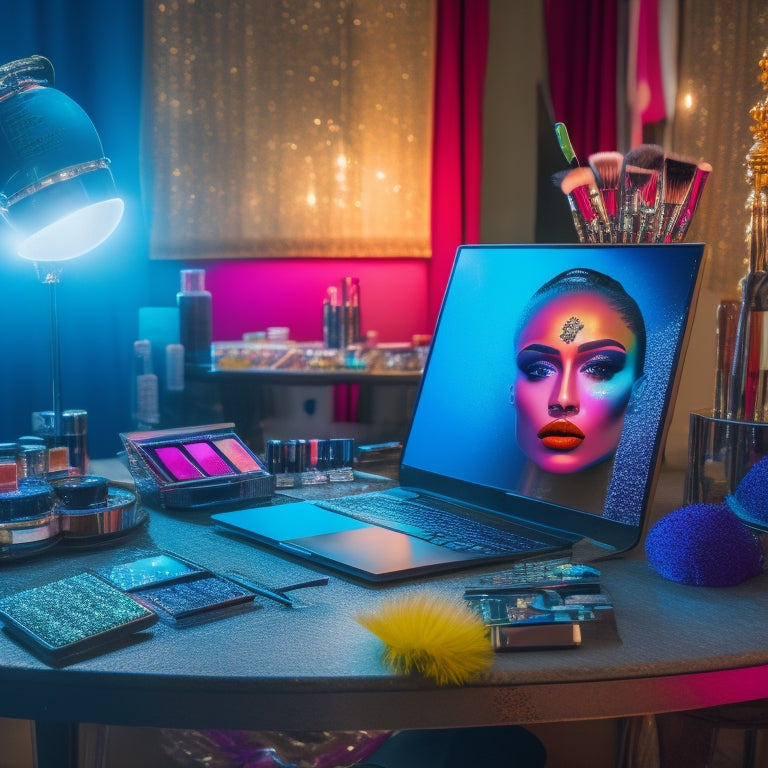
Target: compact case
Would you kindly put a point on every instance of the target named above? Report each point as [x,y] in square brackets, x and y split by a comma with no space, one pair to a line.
[196,467]
[79,616]
[180,592]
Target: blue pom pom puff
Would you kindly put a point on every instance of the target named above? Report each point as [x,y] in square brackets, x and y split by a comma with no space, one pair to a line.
[704,545]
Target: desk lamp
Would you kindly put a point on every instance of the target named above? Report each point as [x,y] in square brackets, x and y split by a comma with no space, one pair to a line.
[57,192]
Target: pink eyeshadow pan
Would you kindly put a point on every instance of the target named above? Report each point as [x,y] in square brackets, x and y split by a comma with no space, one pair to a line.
[175,462]
[207,457]
[237,454]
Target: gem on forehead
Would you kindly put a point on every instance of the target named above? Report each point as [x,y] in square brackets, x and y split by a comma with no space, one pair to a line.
[570,328]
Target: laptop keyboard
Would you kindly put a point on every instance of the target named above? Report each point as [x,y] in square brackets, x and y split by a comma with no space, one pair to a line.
[431,523]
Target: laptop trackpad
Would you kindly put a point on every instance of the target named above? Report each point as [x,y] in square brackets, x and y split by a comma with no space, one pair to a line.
[286,521]
[376,550]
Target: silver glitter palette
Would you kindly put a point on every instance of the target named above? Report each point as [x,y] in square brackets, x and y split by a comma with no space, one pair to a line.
[68,619]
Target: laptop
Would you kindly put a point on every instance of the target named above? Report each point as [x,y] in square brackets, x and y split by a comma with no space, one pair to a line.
[539,421]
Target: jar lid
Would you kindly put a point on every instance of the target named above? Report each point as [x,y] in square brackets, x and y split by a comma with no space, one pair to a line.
[81,491]
[33,498]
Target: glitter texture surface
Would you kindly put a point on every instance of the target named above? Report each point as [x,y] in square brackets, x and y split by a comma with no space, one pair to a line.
[70,611]
[291,128]
[190,597]
[146,571]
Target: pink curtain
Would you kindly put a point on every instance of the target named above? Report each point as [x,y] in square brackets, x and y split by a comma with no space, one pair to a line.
[462,45]
[582,49]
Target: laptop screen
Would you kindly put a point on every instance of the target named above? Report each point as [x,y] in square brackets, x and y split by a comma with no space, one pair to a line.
[550,382]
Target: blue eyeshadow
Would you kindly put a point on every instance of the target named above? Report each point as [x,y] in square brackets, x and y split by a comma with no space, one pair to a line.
[188,598]
[147,571]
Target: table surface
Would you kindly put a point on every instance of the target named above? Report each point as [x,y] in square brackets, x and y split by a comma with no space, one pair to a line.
[314,667]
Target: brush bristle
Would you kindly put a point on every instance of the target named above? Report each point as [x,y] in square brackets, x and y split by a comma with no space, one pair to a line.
[607,168]
[578,177]
[432,635]
[650,156]
[678,177]
[636,177]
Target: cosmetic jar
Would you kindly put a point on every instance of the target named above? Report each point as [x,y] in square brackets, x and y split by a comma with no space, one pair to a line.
[89,510]
[28,519]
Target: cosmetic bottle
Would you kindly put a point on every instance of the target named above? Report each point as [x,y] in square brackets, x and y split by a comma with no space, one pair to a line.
[195,317]
[350,300]
[74,431]
[145,396]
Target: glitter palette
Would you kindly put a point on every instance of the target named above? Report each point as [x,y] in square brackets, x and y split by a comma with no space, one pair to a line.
[187,601]
[149,570]
[179,591]
[71,618]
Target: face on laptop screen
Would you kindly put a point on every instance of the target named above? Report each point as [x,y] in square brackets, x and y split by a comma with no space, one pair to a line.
[551,372]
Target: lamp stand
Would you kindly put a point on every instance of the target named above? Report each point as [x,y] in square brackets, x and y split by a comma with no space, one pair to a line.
[51,275]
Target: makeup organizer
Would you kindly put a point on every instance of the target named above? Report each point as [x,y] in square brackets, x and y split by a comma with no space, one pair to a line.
[727,440]
[195,467]
[45,501]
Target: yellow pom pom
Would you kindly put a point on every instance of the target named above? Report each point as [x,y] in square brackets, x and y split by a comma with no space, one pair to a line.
[435,636]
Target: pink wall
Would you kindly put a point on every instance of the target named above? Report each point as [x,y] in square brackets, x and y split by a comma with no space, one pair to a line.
[251,295]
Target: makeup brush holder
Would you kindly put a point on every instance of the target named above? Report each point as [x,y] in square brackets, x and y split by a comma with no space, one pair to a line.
[720,453]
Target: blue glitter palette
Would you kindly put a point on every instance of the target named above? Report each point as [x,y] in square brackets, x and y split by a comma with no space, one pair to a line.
[71,618]
[205,598]
[153,569]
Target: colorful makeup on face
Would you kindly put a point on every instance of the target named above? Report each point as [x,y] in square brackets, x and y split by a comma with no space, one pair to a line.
[576,362]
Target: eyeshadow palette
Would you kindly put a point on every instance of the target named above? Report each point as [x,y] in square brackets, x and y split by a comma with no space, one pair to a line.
[206,598]
[74,617]
[179,591]
[148,571]
[196,467]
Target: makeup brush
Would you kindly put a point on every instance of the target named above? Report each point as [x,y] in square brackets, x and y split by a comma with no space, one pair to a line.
[691,203]
[580,186]
[578,221]
[607,169]
[565,145]
[677,180]
[640,190]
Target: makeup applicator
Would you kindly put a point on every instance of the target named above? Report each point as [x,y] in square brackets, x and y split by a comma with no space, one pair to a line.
[678,177]
[704,545]
[639,189]
[607,169]
[580,186]
[703,170]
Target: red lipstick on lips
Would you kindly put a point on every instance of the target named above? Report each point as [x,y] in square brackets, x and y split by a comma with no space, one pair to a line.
[560,435]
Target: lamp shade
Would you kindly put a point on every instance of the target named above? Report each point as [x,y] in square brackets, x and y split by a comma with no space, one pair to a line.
[56,189]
